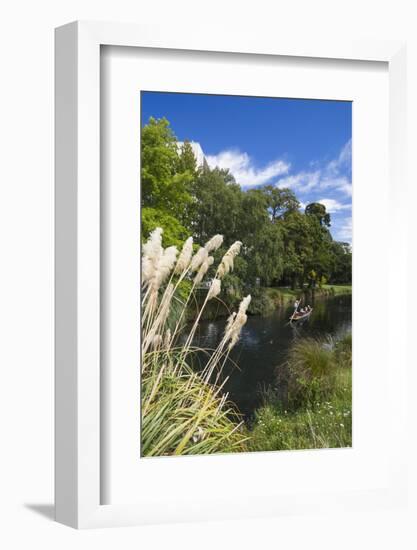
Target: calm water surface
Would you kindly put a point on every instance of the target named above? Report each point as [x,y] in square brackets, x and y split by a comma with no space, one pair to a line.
[264,344]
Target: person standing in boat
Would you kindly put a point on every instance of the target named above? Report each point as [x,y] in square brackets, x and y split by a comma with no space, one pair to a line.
[296,305]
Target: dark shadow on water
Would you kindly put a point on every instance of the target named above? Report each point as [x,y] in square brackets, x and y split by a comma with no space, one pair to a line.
[264,344]
[45,510]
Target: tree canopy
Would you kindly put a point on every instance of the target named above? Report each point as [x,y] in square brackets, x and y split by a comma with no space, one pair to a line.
[281,244]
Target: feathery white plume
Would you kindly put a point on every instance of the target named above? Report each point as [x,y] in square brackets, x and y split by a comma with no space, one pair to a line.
[199,257]
[226,264]
[184,258]
[215,289]
[151,253]
[214,243]
[234,325]
[167,338]
[156,341]
[229,323]
[165,265]
[203,269]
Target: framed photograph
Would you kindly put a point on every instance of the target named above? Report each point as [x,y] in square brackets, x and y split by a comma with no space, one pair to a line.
[227,341]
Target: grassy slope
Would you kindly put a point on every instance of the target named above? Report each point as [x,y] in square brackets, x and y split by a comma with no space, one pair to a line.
[326,424]
[339,289]
[284,296]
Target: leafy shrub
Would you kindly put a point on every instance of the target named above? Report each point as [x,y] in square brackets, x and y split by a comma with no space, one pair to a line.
[261,303]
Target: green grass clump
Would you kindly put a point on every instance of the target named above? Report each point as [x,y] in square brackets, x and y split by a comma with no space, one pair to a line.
[182,411]
[182,414]
[311,372]
[317,412]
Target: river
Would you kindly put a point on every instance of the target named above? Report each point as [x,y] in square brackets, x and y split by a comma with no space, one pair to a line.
[264,345]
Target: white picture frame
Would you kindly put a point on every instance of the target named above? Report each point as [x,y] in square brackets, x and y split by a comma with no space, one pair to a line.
[78,405]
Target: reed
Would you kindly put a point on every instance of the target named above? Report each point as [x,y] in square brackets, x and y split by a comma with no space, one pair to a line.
[184,412]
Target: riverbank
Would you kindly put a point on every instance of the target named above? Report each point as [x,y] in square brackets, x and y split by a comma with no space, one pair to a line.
[283,296]
[315,408]
[271,298]
[266,342]
[265,300]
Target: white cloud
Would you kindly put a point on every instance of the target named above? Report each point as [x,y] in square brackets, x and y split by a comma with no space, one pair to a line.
[335,175]
[304,181]
[341,183]
[333,205]
[344,232]
[342,162]
[331,176]
[241,166]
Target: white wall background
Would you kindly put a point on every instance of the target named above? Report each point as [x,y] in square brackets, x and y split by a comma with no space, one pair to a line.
[26,268]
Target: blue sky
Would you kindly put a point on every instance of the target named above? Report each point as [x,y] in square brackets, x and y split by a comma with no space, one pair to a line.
[301,144]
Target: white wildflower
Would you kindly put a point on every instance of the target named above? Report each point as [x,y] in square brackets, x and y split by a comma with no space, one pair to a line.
[214,243]
[203,269]
[151,253]
[226,264]
[184,258]
[199,257]
[215,289]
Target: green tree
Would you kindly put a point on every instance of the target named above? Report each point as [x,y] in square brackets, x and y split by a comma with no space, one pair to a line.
[320,258]
[319,212]
[164,185]
[217,206]
[280,201]
[174,233]
[298,246]
[266,257]
[281,245]
[342,263]
[187,160]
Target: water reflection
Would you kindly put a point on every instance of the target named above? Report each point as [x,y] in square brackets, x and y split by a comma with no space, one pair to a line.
[264,344]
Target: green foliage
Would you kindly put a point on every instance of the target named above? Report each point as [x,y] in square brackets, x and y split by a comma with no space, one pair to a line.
[343,351]
[341,263]
[280,201]
[326,425]
[187,161]
[261,303]
[311,372]
[267,258]
[318,211]
[282,245]
[321,419]
[217,206]
[165,183]
[174,232]
[181,413]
